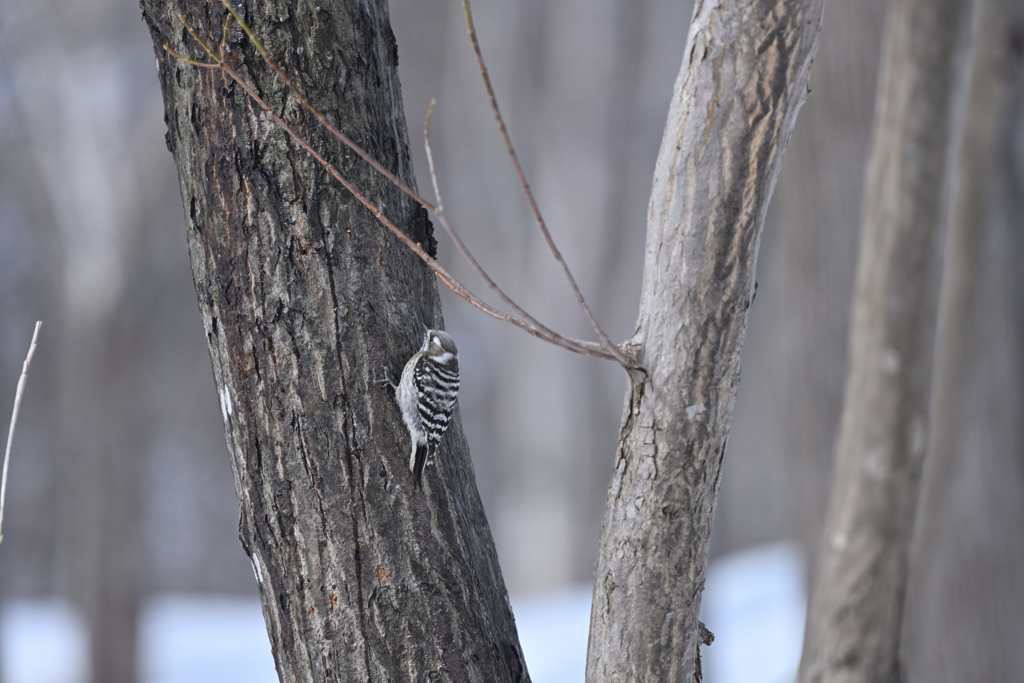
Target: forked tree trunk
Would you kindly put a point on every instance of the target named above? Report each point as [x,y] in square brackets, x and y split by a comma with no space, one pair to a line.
[305,299]
[856,611]
[743,79]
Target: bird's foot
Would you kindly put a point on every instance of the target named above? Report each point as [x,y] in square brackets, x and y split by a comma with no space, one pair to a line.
[386,379]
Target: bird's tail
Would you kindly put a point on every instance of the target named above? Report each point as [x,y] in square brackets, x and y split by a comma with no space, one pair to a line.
[419,462]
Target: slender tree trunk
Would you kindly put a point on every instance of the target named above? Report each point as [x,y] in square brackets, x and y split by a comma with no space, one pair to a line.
[305,299]
[101,508]
[92,160]
[743,79]
[966,585]
[855,617]
[809,284]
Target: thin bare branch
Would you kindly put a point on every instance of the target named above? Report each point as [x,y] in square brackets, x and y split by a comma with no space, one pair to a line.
[463,249]
[14,421]
[439,211]
[539,331]
[195,36]
[527,322]
[193,62]
[621,357]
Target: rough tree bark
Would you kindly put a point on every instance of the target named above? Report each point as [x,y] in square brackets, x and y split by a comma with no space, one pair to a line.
[743,78]
[856,611]
[305,298]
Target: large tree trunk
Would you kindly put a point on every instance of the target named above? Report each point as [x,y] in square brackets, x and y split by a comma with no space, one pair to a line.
[743,79]
[855,617]
[305,298]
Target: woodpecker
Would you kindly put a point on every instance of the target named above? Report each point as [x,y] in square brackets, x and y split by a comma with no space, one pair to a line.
[426,394]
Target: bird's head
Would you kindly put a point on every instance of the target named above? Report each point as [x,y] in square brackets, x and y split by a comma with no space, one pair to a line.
[439,343]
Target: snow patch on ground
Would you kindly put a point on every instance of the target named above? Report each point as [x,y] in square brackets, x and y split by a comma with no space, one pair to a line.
[754,602]
[43,642]
[553,630]
[199,638]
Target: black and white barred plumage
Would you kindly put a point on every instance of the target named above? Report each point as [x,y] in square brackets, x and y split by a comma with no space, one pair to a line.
[426,394]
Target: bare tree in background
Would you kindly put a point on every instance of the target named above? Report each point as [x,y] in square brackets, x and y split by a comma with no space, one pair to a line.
[856,611]
[84,157]
[965,601]
[776,477]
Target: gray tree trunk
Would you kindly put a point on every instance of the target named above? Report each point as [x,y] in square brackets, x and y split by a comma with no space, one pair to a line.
[743,78]
[305,298]
[965,599]
[856,610]
[776,476]
[101,509]
[814,222]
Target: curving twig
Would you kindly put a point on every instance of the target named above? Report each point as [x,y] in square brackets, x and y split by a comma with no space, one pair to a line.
[19,392]
[608,345]
[463,249]
[430,158]
[526,322]
[438,210]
